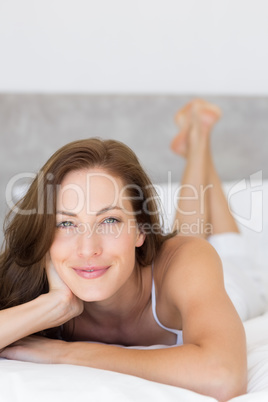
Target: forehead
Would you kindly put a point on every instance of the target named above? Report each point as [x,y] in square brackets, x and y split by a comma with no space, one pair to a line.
[94,187]
[94,177]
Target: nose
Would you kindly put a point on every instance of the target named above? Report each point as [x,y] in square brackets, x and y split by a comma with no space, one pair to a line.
[88,245]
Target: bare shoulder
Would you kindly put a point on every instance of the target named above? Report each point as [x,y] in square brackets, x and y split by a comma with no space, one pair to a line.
[181,253]
[187,267]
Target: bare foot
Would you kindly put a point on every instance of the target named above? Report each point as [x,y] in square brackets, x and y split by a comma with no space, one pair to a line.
[196,114]
[179,142]
[208,113]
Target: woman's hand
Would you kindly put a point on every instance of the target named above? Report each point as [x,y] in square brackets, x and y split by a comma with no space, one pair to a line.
[74,306]
[49,310]
[35,349]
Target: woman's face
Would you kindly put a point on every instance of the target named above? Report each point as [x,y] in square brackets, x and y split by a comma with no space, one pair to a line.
[93,250]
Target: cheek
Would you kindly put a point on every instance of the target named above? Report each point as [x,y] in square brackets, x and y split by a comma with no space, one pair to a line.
[59,250]
[124,244]
[59,254]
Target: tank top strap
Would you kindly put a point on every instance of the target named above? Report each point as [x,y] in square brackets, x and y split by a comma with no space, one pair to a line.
[153,296]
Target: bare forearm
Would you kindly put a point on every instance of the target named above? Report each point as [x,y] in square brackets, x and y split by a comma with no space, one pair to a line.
[44,312]
[187,366]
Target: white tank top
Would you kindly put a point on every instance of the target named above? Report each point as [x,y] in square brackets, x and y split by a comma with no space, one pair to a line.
[174,331]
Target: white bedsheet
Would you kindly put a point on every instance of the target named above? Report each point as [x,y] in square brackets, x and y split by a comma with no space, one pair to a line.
[30,382]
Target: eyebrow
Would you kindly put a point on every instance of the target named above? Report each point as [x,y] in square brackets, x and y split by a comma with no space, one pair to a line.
[65,213]
[100,212]
[109,208]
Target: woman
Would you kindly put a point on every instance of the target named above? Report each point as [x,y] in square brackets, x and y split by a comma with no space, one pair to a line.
[92,264]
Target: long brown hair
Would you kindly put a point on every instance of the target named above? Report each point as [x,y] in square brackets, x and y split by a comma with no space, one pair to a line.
[29,233]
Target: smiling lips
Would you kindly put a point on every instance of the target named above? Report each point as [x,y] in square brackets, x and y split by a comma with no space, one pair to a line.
[91,272]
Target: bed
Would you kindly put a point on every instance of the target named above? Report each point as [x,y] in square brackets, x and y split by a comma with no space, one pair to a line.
[29,382]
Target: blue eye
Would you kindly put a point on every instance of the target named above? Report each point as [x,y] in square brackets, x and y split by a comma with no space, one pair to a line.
[110,220]
[65,224]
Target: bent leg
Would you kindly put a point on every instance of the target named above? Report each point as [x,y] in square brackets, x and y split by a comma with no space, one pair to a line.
[202,200]
[201,204]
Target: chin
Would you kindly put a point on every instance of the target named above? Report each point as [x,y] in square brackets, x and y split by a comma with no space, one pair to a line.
[93,296]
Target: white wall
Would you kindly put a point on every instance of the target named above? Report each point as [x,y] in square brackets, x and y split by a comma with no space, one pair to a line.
[129,46]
